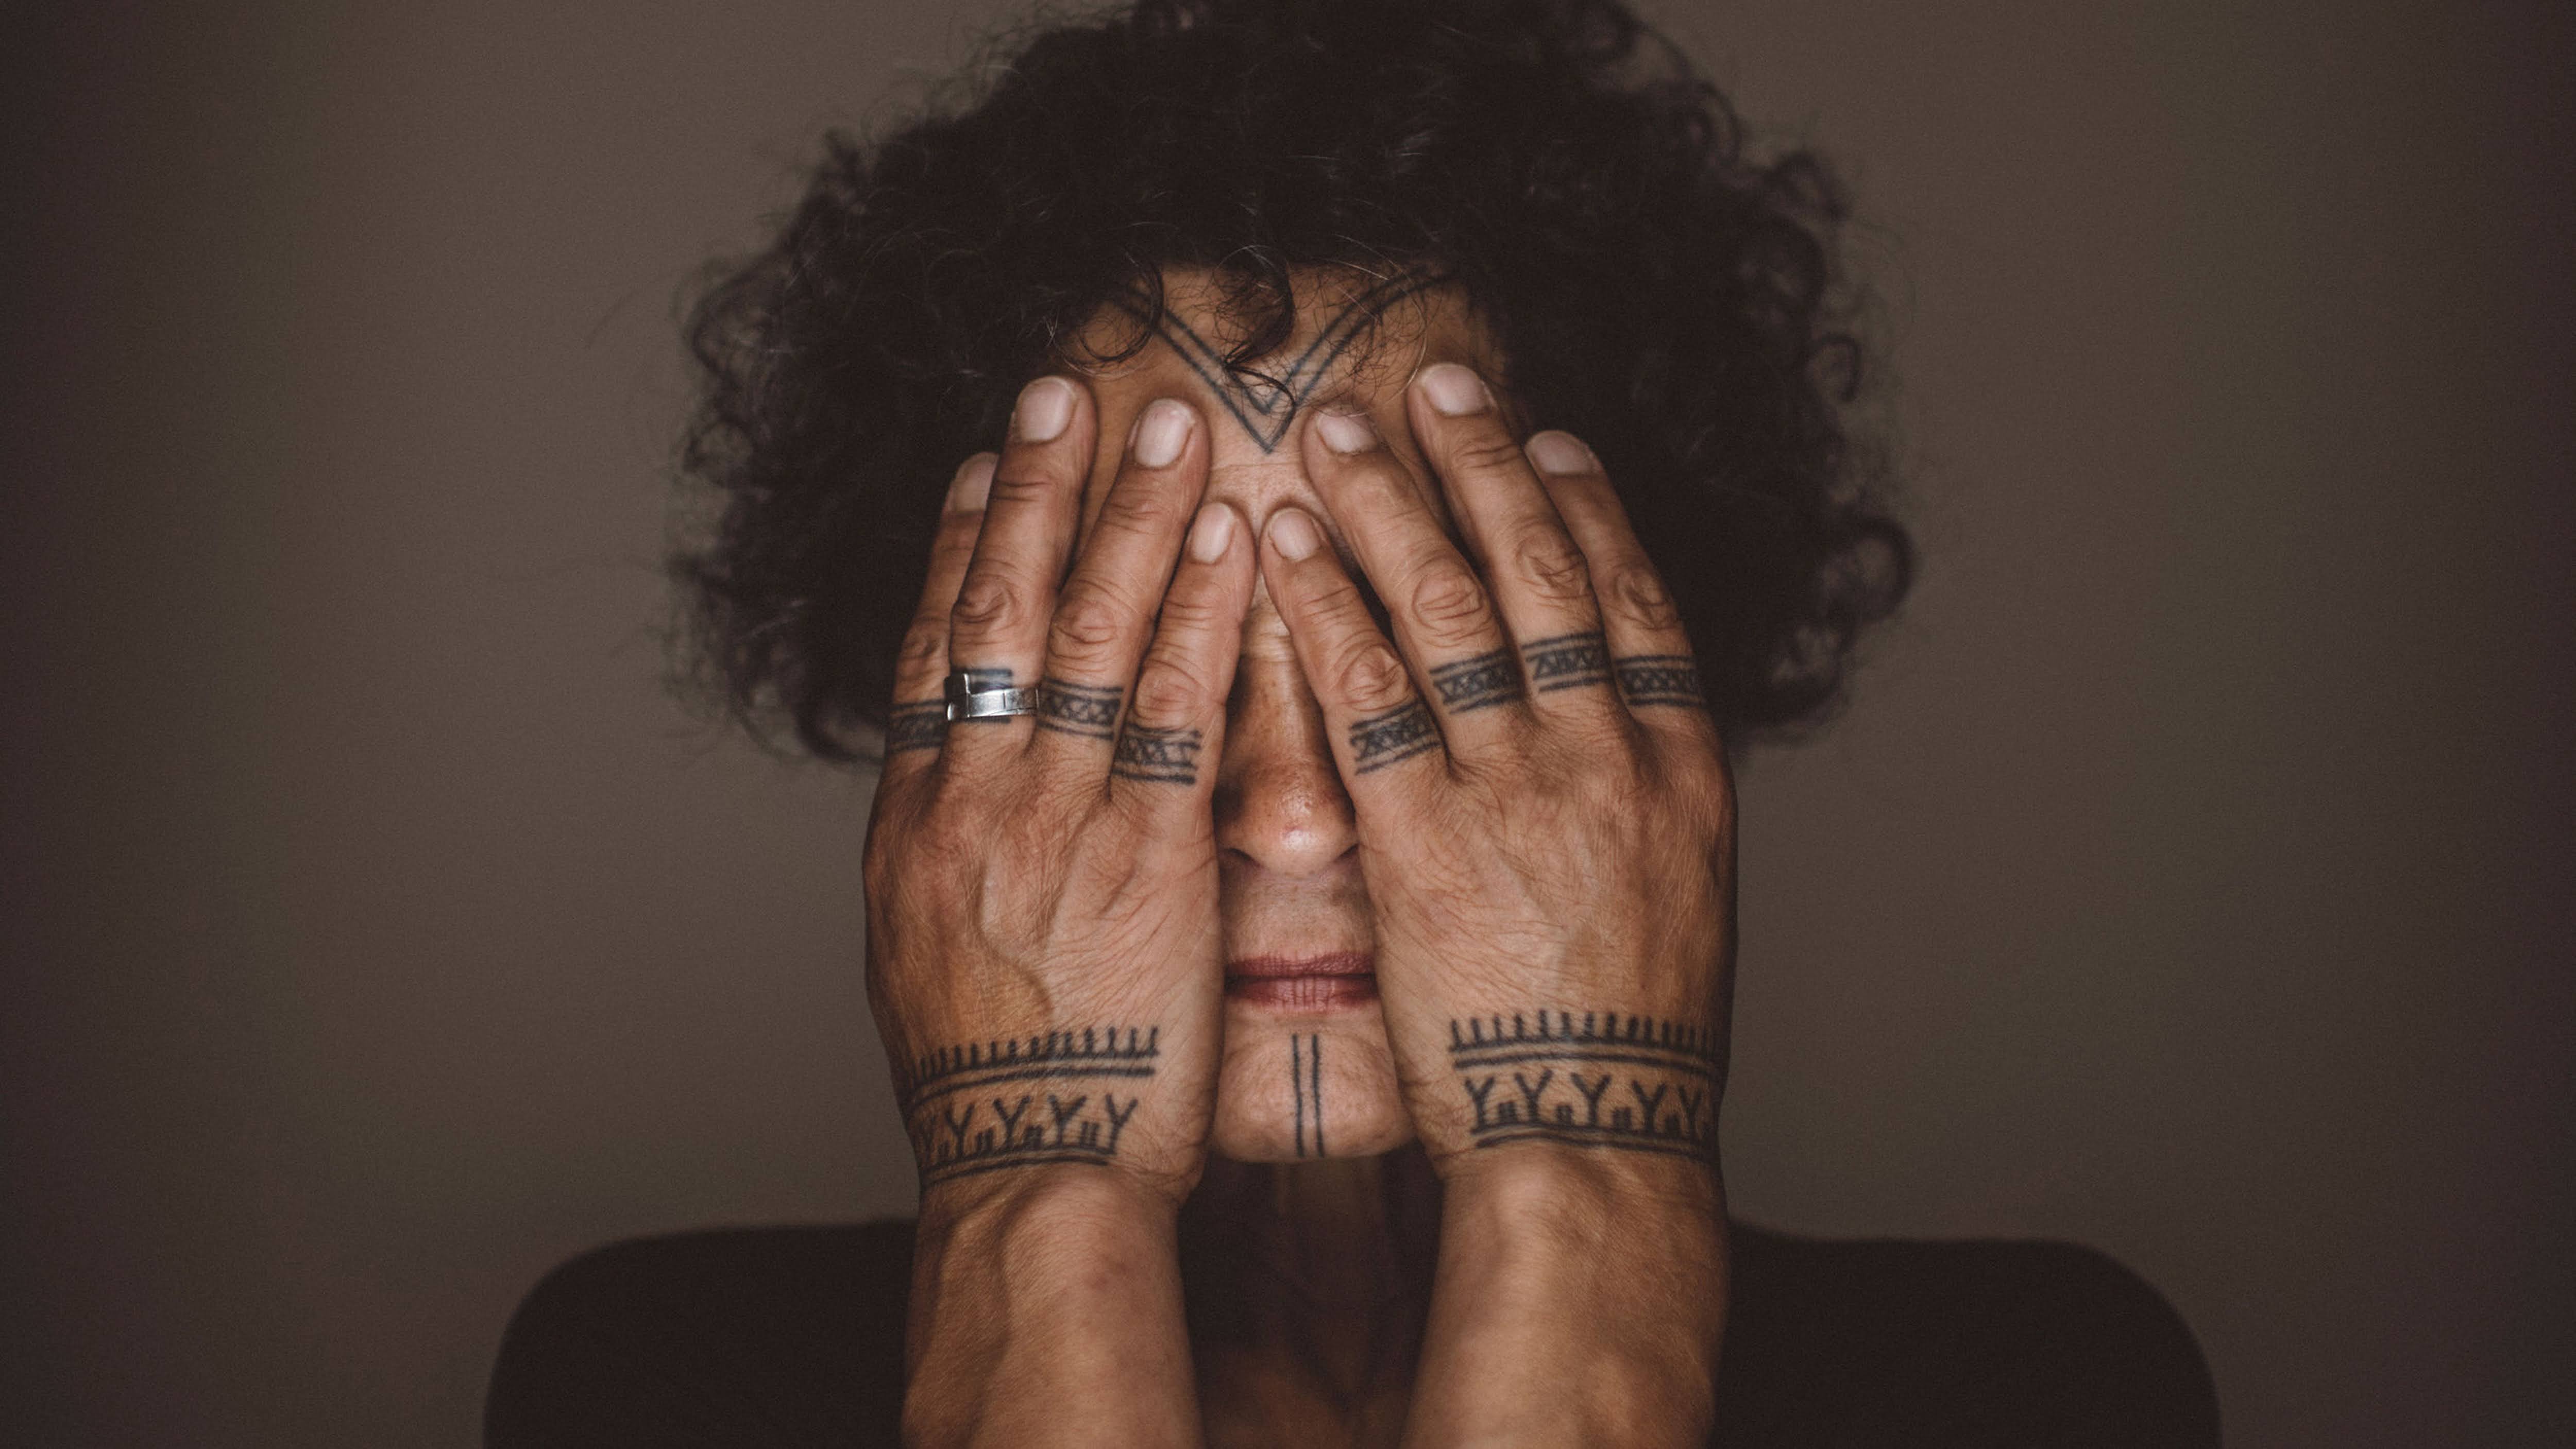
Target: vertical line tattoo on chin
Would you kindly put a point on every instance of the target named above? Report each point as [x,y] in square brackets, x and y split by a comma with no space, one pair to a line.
[1306,1091]
[1262,405]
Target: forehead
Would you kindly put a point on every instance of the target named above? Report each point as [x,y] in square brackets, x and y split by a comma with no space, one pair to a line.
[1358,337]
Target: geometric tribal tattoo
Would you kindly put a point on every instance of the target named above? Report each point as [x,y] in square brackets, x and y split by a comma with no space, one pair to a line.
[1265,406]
[976,1108]
[1590,1079]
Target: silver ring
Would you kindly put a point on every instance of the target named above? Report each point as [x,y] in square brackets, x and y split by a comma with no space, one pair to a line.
[965,701]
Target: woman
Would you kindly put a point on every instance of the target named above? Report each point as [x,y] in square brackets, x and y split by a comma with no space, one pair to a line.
[1301,883]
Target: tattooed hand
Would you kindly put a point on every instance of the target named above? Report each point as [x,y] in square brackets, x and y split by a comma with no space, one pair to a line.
[1043,951]
[1545,814]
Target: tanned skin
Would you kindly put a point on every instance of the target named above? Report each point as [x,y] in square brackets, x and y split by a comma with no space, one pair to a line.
[1363,887]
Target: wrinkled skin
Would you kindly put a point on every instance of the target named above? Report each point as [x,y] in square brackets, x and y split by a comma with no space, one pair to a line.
[1567,849]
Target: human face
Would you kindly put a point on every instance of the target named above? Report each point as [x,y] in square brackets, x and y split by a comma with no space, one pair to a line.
[1307,1071]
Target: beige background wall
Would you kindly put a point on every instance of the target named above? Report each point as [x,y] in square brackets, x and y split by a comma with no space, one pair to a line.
[2192,879]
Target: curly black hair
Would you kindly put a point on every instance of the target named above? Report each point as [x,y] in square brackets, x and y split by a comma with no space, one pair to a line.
[1655,290]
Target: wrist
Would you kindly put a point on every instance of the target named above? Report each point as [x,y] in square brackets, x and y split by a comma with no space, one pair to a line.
[1063,1200]
[1576,1200]
[1609,1268]
[1041,1292]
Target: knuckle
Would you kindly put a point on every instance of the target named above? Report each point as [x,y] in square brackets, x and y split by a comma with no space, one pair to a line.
[1190,615]
[1487,452]
[1447,598]
[925,644]
[1149,512]
[1170,692]
[1551,565]
[1638,592]
[1335,601]
[1370,676]
[988,603]
[1089,622]
[1022,485]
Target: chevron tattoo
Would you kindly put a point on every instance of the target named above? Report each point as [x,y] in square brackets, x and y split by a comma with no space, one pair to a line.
[1262,405]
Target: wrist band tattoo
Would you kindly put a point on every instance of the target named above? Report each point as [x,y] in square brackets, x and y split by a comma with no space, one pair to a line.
[1590,1079]
[973,1108]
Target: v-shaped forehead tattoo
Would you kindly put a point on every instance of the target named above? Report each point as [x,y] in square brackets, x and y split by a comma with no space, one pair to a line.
[1265,405]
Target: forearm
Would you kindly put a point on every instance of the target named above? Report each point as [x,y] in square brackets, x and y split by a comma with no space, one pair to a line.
[1046,1308]
[1580,1300]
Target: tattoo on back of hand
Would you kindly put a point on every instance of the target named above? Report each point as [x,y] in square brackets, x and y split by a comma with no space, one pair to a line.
[1590,1079]
[972,1108]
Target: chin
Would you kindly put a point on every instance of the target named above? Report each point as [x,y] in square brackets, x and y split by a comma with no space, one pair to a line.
[1303,1083]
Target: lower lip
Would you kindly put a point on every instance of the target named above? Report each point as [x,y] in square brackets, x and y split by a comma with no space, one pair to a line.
[1302,993]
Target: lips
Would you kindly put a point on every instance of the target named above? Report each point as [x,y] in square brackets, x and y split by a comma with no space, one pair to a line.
[1304,983]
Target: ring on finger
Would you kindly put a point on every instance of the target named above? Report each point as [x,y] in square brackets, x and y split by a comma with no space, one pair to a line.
[965,701]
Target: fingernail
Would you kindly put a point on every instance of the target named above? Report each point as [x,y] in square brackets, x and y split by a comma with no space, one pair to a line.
[1293,534]
[1210,535]
[972,485]
[1046,405]
[1161,432]
[1346,432]
[1453,389]
[1560,453]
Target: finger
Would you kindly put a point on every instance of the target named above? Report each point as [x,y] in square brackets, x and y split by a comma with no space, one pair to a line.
[918,720]
[1443,619]
[998,629]
[1174,731]
[1536,573]
[1385,741]
[1105,614]
[1650,652]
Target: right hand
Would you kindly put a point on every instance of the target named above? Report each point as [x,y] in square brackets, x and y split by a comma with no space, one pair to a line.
[1044,954]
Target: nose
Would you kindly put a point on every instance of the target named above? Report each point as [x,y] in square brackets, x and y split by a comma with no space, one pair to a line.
[1279,802]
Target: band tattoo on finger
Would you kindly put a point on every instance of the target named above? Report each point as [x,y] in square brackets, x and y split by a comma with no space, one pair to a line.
[919,724]
[1157,756]
[1568,661]
[1562,1065]
[1486,679]
[967,1108]
[1397,735]
[1661,679]
[1078,709]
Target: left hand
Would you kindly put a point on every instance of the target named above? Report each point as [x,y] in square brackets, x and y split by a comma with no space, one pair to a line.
[1546,819]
